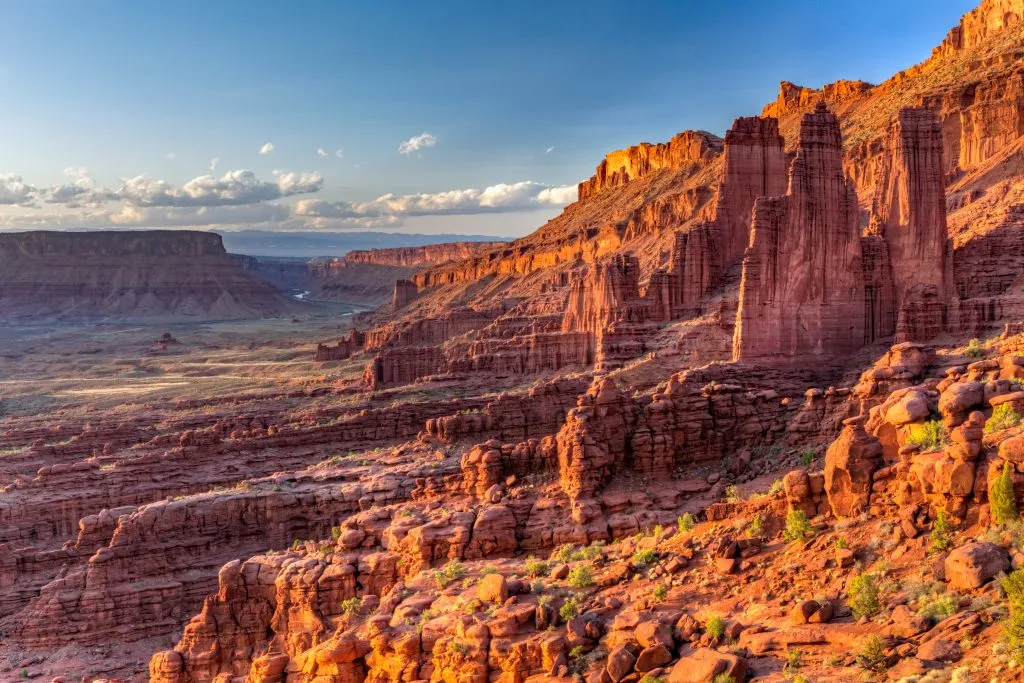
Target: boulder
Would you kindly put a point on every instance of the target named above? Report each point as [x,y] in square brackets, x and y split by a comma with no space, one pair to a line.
[973,565]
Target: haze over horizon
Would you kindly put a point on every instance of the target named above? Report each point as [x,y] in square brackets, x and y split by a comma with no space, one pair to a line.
[471,119]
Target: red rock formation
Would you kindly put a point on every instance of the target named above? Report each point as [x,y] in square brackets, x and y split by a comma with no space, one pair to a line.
[910,213]
[755,166]
[343,349]
[625,165]
[406,257]
[794,98]
[175,273]
[802,293]
[405,291]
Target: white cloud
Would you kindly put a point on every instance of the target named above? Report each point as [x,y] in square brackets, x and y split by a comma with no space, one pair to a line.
[14,190]
[504,197]
[339,152]
[233,188]
[171,156]
[320,152]
[213,163]
[416,143]
[267,148]
[549,150]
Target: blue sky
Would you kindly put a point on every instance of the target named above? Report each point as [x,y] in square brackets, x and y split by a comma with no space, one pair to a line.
[125,105]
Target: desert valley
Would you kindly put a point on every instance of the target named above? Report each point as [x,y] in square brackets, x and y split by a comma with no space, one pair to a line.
[750,408]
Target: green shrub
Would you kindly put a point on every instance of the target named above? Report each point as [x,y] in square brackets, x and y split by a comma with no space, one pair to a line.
[535,567]
[776,487]
[715,627]
[489,569]
[1003,417]
[1013,626]
[569,609]
[335,532]
[862,594]
[723,678]
[929,436]
[808,457]
[756,527]
[732,494]
[942,533]
[939,606]
[642,558]
[588,552]
[1002,499]
[581,576]
[351,605]
[652,679]
[872,655]
[453,571]
[840,543]
[576,652]
[974,349]
[794,660]
[563,553]
[686,523]
[798,527]
[660,593]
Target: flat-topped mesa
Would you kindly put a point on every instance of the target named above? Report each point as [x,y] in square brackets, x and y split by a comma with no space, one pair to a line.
[343,349]
[794,98]
[755,166]
[130,273]
[405,292]
[624,165]
[909,212]
[802,291]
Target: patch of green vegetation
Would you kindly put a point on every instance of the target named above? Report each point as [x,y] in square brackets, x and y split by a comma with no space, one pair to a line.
[453,571]
[974,349]
[862,594]
[756,528]
[1002,498]
[798,527]
[929,436]
[808,457]
[723,678]
[776,487]
[660,593]
[686,523]
[1013,626]
[942,533]
[732,494]
[569,609]
[715,627]
[642,558]
[581,576]
[351,605]
[535,567]
[335,532]
[1003,417]
[871,657]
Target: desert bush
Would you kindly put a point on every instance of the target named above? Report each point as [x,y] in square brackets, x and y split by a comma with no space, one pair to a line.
[660,593]
[569,609]
[686,523]
[1013,626]
[798,527]
[942,533]
[581,576]
[974,349]
[715,626]
[1003,417]
[535,567]
[1002,498]
[862,594]
[453,571]
[732,494]
[871,656]
[642,558]
[351,605]
[755,529]
[929,436]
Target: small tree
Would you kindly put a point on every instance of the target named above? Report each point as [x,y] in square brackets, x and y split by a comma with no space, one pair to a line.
[862,592]
[872,655]
[1002,499]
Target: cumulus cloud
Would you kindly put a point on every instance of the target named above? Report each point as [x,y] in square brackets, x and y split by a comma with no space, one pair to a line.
[320,152]
[504,197]
[339,152]
[233,188]
[267,148]
[213,163]
[14,190]
[416,143]
[549,150]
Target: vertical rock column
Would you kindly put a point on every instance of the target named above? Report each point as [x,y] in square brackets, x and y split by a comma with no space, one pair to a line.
[909,211]
[802,292]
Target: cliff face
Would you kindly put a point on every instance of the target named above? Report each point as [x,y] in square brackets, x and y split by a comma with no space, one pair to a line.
[407,257]
[129,274]
[625,165]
